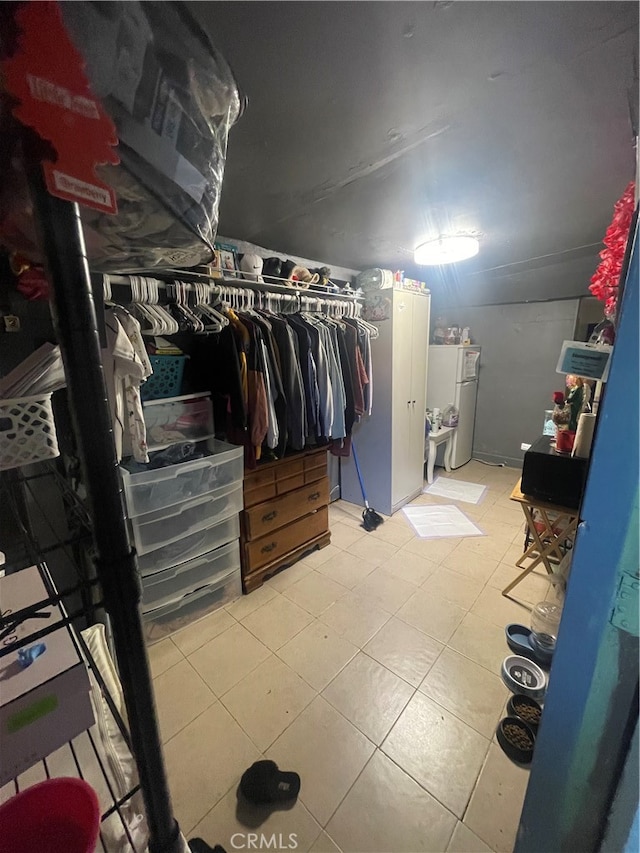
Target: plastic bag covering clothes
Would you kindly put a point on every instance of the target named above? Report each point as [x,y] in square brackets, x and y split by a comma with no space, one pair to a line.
[375,279]
[173,98]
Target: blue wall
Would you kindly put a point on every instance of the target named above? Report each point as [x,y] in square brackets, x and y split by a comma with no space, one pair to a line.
[592,703]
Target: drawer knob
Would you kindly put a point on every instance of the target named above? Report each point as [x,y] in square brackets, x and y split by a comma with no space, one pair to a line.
[270,515]
[266,548]
[313,496]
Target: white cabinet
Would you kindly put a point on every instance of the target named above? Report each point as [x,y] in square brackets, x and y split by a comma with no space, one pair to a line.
[390,443]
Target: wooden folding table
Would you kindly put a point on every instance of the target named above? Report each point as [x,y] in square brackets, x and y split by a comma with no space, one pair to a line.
[549,536]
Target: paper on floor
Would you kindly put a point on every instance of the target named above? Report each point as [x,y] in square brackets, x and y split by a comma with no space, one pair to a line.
[456,490]
[438,522]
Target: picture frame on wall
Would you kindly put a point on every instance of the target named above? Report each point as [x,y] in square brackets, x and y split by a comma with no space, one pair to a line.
[226,260]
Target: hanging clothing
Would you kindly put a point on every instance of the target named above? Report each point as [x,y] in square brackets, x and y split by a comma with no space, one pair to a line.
[308,379]
[216,368]
[291,372]
[126,365]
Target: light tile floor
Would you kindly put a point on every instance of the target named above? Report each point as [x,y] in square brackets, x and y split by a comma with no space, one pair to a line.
[372,669]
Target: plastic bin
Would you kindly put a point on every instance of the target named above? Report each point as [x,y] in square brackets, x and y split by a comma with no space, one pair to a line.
[190,546]
[162,621]
[173,584]
[166,379]
[188,418]
[157,529]
[157,488]
[27,431]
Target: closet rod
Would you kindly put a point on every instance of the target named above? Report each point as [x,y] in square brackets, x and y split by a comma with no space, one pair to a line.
[241,284]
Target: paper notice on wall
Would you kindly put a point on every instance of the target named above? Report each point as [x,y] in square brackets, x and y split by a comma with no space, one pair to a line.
[470,365]
[586,360]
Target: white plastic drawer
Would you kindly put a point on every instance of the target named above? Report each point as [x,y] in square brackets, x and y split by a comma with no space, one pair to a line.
[156,529]
[176,419]
[190,546]
[154,489]
[165,620]
[171,585]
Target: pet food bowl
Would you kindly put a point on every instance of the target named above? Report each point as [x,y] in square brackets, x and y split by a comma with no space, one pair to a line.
[527,709]
[516,739]
[523,676]
[57,816]
[521,642]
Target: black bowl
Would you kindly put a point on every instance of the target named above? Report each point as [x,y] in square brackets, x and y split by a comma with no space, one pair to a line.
[515,708]
[521,753]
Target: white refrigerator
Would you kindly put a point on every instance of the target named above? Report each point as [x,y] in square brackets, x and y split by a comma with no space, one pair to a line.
[452,379]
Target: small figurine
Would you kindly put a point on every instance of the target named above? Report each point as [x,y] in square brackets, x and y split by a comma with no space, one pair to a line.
[577,399]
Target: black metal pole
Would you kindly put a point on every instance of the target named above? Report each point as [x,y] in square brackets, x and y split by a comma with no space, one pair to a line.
[74,319]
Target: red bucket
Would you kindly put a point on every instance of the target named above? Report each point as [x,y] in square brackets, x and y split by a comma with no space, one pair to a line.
[56,816]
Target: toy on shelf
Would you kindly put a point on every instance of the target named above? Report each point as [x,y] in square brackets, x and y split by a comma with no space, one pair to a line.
[567,410]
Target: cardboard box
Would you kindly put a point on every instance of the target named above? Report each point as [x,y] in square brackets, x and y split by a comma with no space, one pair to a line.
[47,704]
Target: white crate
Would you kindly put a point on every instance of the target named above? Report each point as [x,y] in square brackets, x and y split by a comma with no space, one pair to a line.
[27,431]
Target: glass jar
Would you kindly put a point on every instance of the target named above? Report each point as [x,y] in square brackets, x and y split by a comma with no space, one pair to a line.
[545,620]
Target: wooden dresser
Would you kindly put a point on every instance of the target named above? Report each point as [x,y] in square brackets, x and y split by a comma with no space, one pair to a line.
[286,514]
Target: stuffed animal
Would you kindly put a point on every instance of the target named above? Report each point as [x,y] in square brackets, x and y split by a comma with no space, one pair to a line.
[298,276]
[324,274]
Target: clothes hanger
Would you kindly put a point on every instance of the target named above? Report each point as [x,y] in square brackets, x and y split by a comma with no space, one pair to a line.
[216,321]
[106,290]
[167,323]
[141,310]
[181,290]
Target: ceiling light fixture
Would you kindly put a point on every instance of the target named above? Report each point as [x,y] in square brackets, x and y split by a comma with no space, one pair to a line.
[446,250]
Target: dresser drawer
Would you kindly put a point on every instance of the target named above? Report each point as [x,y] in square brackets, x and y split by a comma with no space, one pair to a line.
[277,544]
[291,468]
[316,460]
[257,496]
[290,483]
[262,519]
[259,477]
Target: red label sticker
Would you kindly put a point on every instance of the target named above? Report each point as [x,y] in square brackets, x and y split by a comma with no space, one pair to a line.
[46,76]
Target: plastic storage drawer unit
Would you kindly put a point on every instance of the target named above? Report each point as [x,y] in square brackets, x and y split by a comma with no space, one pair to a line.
[173,584]
[190,546]
[154,530]
[162,621]
[154,489]
[188,418]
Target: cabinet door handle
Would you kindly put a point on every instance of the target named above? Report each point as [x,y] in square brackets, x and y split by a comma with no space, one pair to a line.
[270,515]
[266,548]
[413,402]
[313,496]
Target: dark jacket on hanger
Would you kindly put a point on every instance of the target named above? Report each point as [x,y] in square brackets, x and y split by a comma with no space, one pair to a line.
[287,342]
[215,367]
[309,378]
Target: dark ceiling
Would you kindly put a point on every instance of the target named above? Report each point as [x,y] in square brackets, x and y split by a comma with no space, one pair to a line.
[374,126]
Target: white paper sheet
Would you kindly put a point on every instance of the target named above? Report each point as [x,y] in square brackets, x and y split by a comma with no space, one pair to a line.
[456,490]
[440,522]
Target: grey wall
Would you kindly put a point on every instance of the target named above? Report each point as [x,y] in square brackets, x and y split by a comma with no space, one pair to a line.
[520,349]
[564,275]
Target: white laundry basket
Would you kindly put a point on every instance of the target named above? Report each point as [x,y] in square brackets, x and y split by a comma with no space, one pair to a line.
[27,431]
